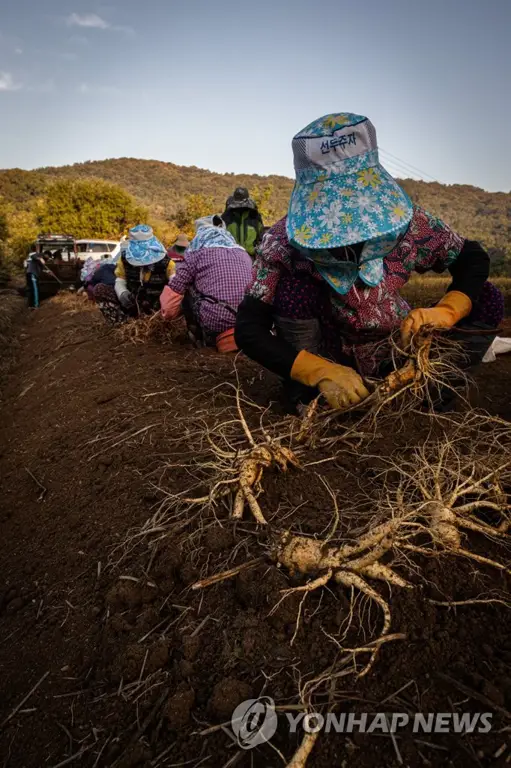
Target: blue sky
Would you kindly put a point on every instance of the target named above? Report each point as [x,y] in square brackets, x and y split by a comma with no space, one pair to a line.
[226,84]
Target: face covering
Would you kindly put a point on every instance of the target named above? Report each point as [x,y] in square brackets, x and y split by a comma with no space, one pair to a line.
[342,274]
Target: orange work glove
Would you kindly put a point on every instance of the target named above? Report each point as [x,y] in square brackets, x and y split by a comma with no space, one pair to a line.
[341,386]
[450,310]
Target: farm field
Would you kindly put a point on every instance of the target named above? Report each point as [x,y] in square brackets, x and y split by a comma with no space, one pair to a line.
[103,439]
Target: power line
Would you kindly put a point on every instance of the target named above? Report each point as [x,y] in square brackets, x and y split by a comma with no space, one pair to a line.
[400,172]
[402,168]
[408,165]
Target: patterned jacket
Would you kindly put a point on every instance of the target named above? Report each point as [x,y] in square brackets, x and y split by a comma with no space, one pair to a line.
[358,324]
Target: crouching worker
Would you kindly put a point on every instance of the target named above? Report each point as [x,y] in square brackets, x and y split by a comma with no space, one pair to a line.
[243,220]
[177,251]
[140,276]
[104,274]
[208,285]
[328,276]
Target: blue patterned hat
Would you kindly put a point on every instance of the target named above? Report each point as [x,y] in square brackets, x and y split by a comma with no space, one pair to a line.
[342,194]
[143,247]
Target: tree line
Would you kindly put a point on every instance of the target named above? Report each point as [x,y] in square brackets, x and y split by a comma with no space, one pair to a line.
[103,199]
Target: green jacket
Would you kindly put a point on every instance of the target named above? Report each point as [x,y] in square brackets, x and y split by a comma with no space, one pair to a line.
[246,227]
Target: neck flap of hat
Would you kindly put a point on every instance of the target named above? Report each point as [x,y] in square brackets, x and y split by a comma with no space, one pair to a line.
[342,275]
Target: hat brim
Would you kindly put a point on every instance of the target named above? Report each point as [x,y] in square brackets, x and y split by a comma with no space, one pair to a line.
[339,210]
[242,204]
[141,253]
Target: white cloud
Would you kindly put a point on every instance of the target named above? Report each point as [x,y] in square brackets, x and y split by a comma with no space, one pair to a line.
[19,51]
[91,20]
[7,83]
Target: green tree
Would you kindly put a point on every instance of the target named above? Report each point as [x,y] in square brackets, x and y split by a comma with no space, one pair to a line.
[22,231]
[88,208]
[4,228]
[4,235]
[270,209]
[195,207]
[166,231]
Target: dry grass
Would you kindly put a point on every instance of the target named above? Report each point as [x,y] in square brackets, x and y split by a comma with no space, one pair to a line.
[150,328]
[431,365]
[73,303]
[424,291]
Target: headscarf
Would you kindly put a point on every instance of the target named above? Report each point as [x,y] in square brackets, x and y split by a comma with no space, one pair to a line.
[211,235]
[88,269]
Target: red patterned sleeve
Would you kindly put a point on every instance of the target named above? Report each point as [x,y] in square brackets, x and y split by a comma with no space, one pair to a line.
[272,256]
[430,244]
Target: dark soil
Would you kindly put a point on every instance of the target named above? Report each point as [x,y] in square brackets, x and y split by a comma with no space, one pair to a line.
[95,430]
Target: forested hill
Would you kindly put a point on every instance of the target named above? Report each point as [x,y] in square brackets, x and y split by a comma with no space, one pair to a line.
[163,188]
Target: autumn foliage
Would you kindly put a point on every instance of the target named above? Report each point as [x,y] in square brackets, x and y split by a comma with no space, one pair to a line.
[101,199]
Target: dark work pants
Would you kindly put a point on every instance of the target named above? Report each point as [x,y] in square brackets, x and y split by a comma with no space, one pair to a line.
[475,339]
[190,308]
[32,291]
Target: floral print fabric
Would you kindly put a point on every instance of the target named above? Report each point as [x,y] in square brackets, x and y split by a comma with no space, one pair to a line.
[357,324]
[342,194]
[142,248]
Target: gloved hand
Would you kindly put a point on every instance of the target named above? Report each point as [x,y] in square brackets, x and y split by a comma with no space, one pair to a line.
[126,300]
[450,310]
[341,386]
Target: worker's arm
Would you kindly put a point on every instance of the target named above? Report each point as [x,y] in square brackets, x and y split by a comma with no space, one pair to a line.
[341,385]
[121,286]
[170,303]
[470,270]
[180,281]
[253,335]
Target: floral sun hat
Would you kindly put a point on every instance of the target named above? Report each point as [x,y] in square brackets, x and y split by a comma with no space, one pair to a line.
[143,247]
[342,195]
